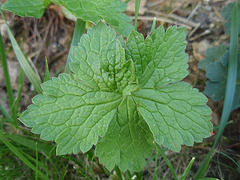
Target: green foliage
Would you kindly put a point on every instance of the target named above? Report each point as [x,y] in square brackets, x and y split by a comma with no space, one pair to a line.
[128,99]
[216,65]
[231,86]
[109,10]
[95,10]
[25,8]
[227,14]
[212,54]
[217,79]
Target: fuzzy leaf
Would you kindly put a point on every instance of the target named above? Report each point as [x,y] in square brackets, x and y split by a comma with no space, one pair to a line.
[32,8]
[176,114]
[102,98]
[128,140]
[212,54]
[217,80]
[71,113]
[160,59]
[95,10]
[74,111]
[109,10]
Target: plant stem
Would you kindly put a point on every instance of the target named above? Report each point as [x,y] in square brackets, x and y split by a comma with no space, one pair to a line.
[230,89]
[7,80]
[137,5]
[78,32]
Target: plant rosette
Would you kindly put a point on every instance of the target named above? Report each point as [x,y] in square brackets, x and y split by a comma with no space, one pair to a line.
[123,100]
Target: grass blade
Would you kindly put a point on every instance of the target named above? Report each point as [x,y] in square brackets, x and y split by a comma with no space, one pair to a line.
[47,74]
[161,151]
[238,166]
[156,164]
[78,32]
[8,82]
[137,5]
[118,172]
[30,143]
[153,26]
[20,155]
[28,70]
[36,175]
[230,89]
[232,73]
[5,113]
[20,85]
[185,173]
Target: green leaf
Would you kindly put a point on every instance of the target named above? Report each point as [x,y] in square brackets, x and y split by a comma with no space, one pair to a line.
[71,113]
[217,79]
[102,98]
[32,8]
[176,114]
[109,10]
[213,54]
[160,59]
[75,111]
[128,141]
[227,14]
[95,10]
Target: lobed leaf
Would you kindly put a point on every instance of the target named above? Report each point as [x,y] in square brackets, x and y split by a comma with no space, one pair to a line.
[95,10]
[128,141]
[213,54]
[109,10]
[71,114]
[160,59]
[102,98]
[176,114]
[217,79]
[32,8]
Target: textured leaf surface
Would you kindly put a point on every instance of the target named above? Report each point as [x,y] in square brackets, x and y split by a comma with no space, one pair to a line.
[227,14]
[160,59]
[128,140]
[217,80]
[32,8]
[176,114]
[95,10]
[102,98]
[71,113]
[109,10]
[213,54]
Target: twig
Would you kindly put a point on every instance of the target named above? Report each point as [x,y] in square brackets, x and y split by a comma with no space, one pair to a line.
[173,16]
[200,35]
[194,30]
[194,11]
[45,37]
[150,18]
